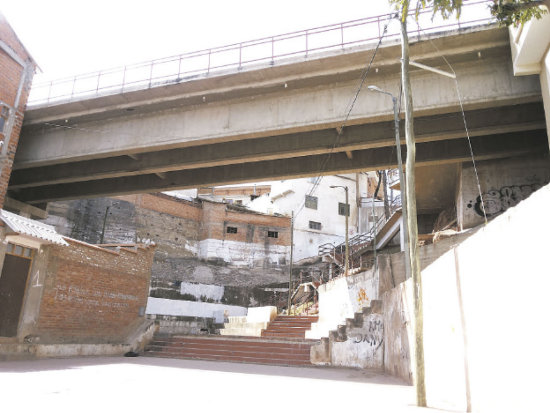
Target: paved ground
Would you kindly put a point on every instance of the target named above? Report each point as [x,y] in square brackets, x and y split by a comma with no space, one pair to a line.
[148,384]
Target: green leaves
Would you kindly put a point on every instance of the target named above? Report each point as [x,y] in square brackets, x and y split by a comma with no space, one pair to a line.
[445,8]
[516,12]
[507,12]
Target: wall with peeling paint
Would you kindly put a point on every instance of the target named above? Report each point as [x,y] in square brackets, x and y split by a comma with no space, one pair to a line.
[218,312]
[503,182]
[193,244]
[485,312]
[341,298]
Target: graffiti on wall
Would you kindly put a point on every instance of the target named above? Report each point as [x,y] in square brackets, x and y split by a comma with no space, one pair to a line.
[92,297]
[362,298]
[496,201]
[374,334]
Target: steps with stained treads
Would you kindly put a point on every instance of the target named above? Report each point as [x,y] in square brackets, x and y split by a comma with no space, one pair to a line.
[289,327]
[288,352]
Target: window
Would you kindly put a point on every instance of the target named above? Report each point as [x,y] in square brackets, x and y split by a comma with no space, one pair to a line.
[315,225]
[4,114]
[19,250]
[343,209]
[231,230]
[272,234]
[311,202]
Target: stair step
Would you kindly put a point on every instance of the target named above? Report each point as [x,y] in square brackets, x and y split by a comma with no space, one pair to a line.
[250,350]
[287,324]
[263,346]
[271,361]
[231,351]
[291,334]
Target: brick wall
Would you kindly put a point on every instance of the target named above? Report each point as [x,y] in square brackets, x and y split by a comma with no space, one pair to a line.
[244,262]
[11,73]
[92,294]
[251,227]
[166,204]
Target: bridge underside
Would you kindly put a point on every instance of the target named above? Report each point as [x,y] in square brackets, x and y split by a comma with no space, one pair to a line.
[497,132]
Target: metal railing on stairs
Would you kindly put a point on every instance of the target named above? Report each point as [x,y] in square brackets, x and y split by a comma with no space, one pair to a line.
[360,242]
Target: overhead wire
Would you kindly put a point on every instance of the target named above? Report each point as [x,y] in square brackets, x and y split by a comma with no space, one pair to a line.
[460,101]
[349,109]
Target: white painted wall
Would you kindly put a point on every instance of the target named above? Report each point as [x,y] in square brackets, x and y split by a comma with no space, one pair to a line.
[503,182]
[341,298]
[486,308]
[530,47]
[287,196]
[163,306]
[213,292]
[242,253]
[364,347]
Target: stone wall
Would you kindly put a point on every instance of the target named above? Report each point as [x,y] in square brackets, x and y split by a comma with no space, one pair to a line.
[193,244]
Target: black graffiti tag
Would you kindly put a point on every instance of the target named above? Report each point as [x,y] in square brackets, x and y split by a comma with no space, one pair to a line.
[497,201]
[373,336]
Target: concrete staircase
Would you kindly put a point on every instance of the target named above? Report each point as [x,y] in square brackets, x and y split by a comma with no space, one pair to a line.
[289,326]
[282,343]
[357,343]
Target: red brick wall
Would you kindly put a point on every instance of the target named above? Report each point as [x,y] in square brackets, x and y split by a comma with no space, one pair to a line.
[10,76]
[166,204]
[92,294]
[215,217]
[251,227]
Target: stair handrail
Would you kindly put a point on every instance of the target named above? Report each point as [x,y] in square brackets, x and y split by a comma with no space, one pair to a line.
[356,242]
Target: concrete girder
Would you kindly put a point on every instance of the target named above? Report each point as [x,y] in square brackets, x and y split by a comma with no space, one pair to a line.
[428,153]
[357,137]
[483,83]
[318,69]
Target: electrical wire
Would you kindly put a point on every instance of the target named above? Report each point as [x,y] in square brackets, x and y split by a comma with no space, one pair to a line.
[349,109]
[459,95]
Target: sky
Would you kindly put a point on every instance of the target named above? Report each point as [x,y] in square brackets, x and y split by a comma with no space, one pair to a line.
[79,36]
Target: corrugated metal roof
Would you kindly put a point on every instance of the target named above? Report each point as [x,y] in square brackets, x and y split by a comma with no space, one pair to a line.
[31,228]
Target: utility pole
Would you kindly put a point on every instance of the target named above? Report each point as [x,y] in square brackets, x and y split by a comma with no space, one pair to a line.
[346,214]
[412,224]
[291,257]
[384,177]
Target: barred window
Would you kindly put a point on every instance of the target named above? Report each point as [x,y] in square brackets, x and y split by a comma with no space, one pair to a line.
[311,202]
[343,209]
[272,234]
[231,230]
[315,225]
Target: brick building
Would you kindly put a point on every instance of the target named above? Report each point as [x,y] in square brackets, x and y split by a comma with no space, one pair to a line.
[55,289]
[16,72]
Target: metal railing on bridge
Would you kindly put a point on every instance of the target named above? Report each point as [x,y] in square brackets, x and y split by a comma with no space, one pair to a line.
[238,56]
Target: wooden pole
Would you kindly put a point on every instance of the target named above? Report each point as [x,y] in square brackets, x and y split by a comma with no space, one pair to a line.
[412,224]
[291,258]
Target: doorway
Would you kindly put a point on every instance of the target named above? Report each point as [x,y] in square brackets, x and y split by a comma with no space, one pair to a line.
[13,284]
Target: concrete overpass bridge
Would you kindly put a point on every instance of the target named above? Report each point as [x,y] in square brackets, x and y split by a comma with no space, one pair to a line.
[279,120]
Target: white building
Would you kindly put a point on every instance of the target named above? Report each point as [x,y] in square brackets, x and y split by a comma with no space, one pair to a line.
[530,45]
[319,210]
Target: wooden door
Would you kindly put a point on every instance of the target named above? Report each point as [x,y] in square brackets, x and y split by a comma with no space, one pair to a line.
[13,283]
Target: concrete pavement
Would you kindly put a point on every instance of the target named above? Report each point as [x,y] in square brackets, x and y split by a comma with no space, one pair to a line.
[147,384]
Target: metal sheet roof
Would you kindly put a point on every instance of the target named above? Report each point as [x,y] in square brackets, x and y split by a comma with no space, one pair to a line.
[31,228]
